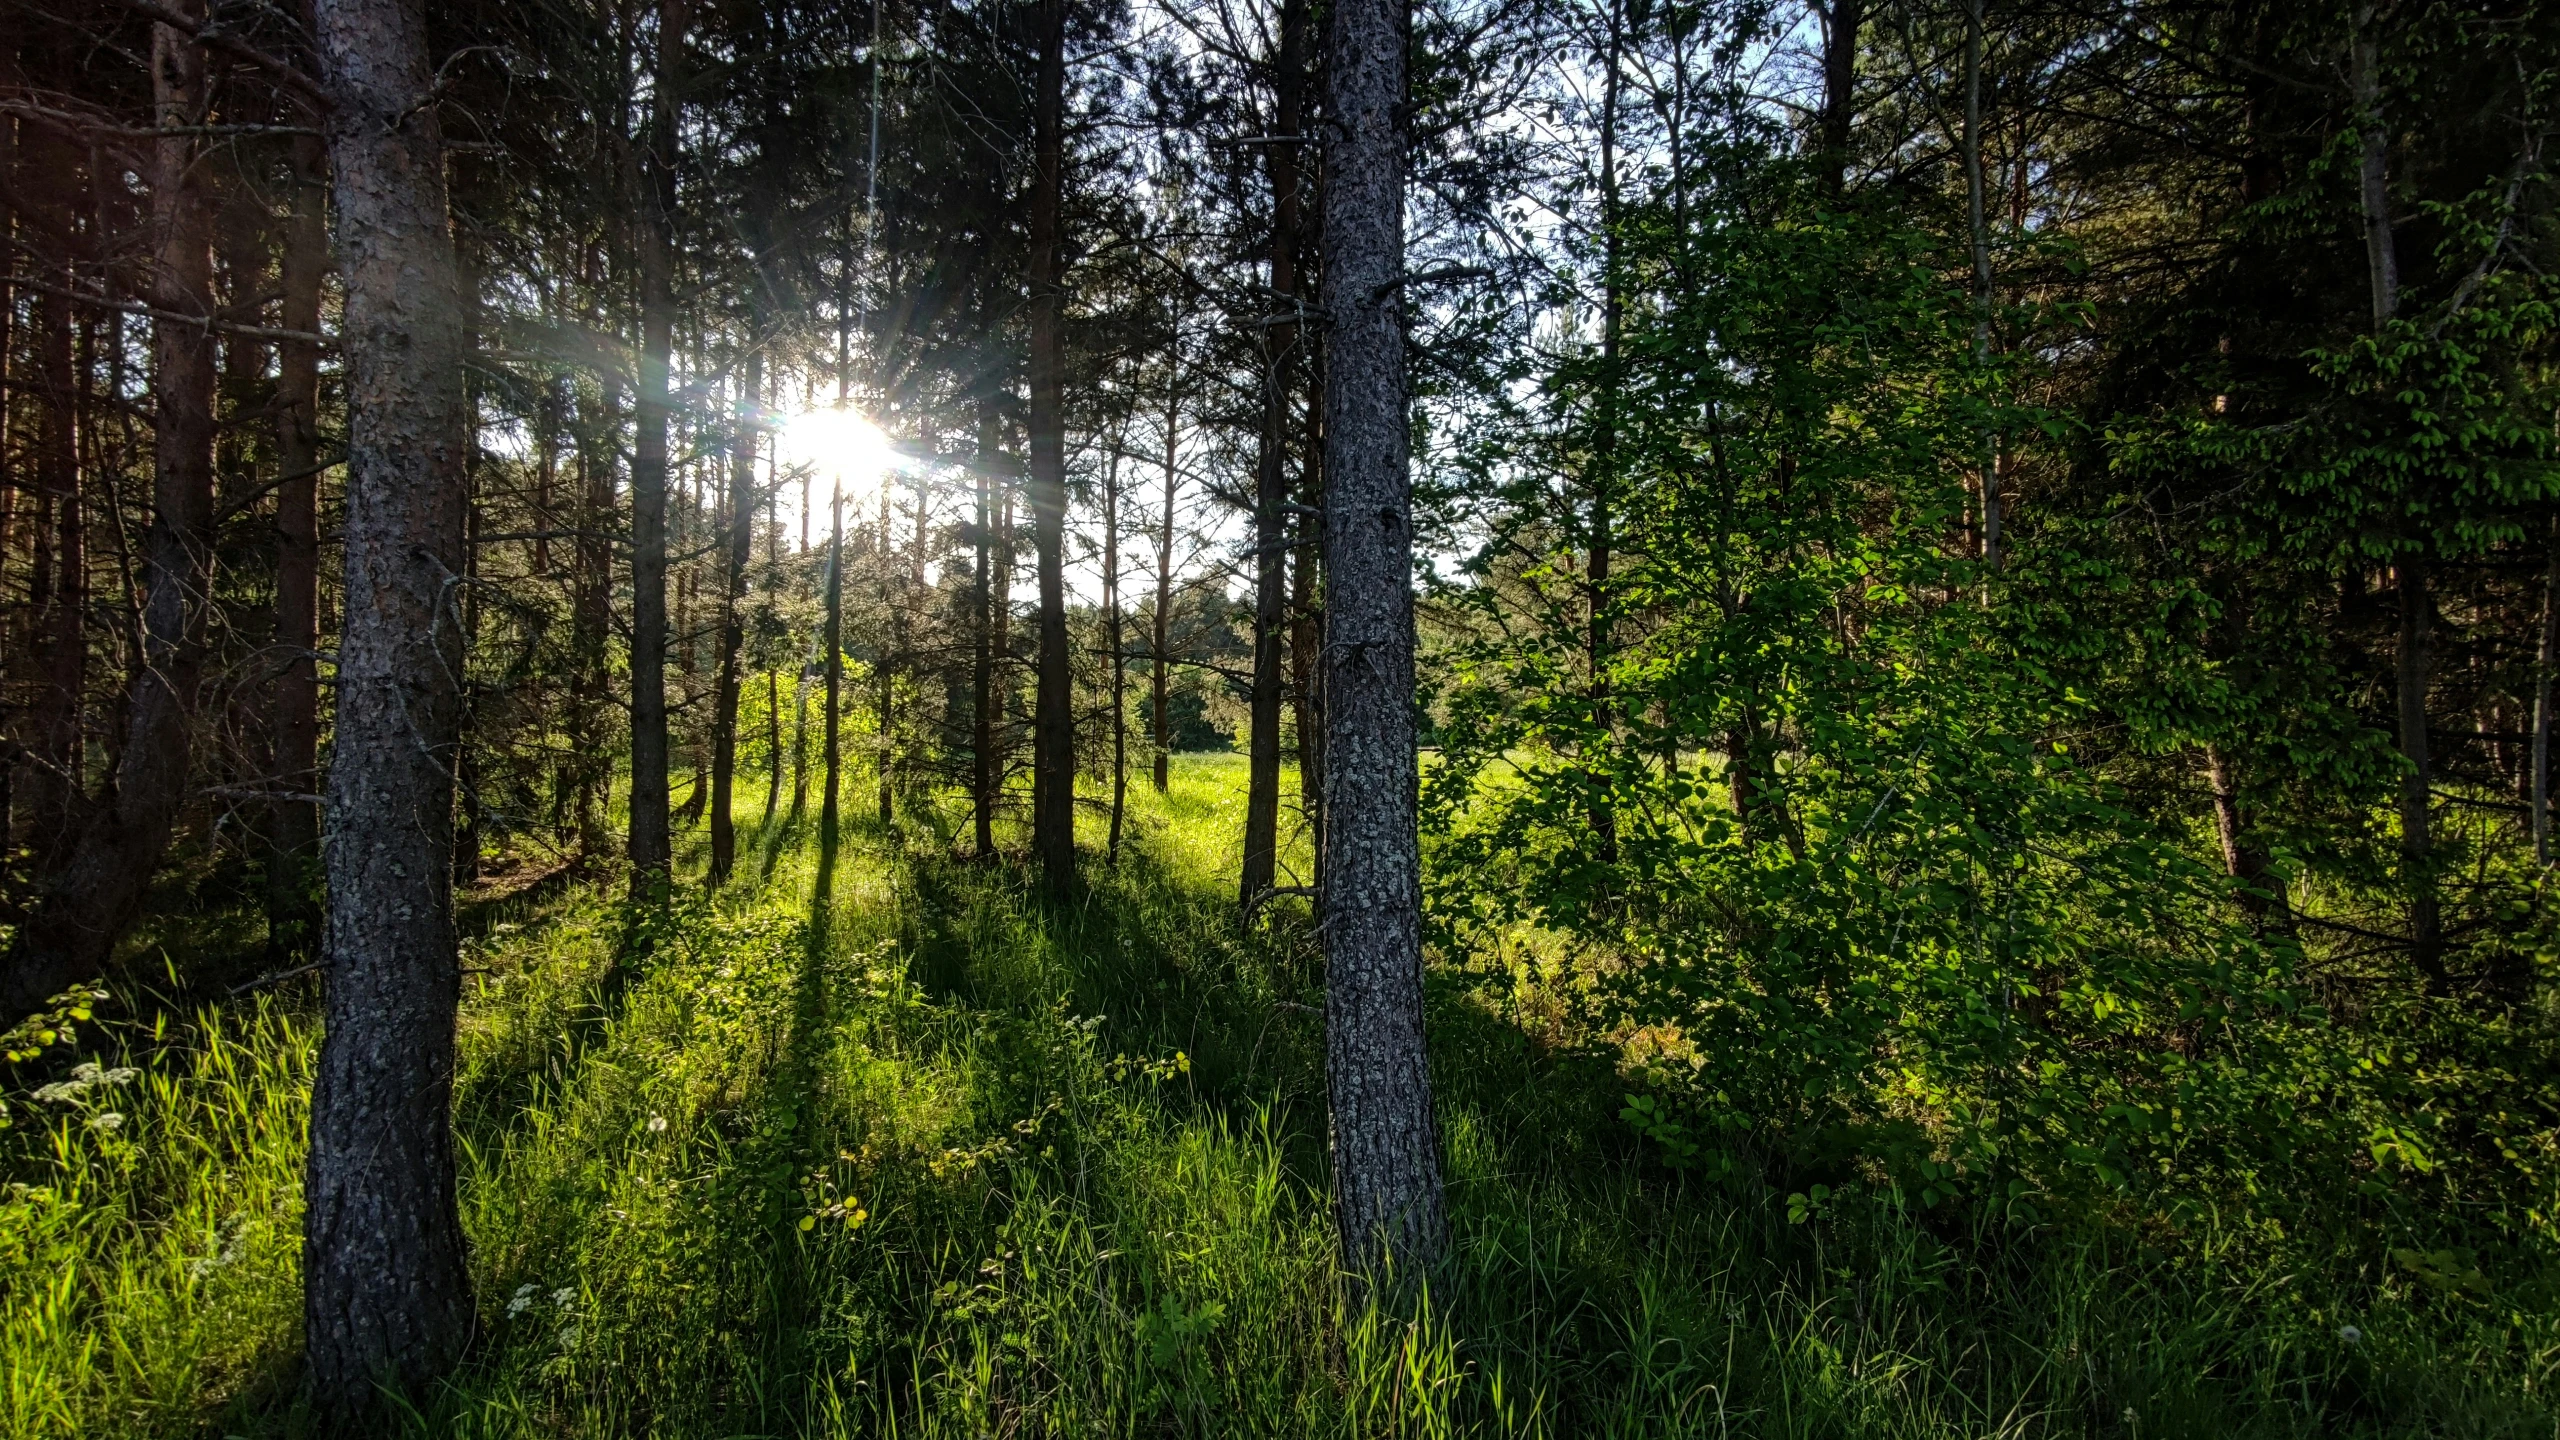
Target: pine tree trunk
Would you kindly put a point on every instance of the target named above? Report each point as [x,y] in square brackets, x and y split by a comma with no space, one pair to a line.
[1114,640]
[982,659]
[57,588]
[1271,495]
[2417,843]
[1386,1175]
[2546,654]
[733,593]
[1053,739]
[1160,666]
[829,814]
[1989,462]
[651,834]
[386,1295]
[1841,23]
[592,612]
[90,897]
[1604,449]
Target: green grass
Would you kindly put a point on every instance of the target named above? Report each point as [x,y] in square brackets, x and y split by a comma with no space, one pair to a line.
[940,1160]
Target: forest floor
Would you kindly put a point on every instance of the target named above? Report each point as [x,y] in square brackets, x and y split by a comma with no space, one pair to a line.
[938,1159]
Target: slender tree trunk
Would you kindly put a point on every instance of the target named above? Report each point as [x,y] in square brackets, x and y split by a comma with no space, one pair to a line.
[2262,893]
[57,589]
[592,616]
[891,651]
[2373,169]
[1604,450]
[1271,491]
[14,643]
[1981,241]
[1306,602]
[1160,666]
[2545,657]
[1840,26]
[828,811]
[652,854]
[386,1297]
[983,773]
[1119,655]
[90,897]
[2417,860]
[1053,738]
[733,594]
[1386,1173]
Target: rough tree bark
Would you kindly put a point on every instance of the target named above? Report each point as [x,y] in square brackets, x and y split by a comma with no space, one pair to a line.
[1271,490]
[89,897]
[386,1296]
[651,845]
[293,911]
[1840,25]
[1386,1174]
[1053,737]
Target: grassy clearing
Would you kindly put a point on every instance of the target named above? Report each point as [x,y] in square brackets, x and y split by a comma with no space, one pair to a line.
[934,1160]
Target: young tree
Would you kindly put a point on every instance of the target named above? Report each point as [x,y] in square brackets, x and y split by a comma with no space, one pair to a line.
[386,1295]
[655,184]
[1053,783]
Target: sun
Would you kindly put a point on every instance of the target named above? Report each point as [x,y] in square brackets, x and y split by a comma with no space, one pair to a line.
[841,445]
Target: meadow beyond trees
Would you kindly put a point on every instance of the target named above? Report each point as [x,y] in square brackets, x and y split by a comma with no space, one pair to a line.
[1237,717]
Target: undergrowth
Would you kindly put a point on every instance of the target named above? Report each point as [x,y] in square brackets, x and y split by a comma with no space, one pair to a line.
[937,1159]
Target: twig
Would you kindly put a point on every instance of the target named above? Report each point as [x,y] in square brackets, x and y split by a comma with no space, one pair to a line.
[206,322]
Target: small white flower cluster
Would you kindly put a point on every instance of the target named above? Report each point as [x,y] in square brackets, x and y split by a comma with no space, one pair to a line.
[528,1296]
[657,1124]
[84,1079]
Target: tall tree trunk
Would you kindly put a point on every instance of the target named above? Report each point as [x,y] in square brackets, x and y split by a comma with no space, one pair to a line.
[592,613]
[1989,462]
[2262,894]
[293,910]
[829,814]
[652,855]
[2373,168]
[1160,666]
[2417,861]
[2546,654]
[892,649]
[1271,485]
[733,593]
[984,775]
[1841,23]
[90,897]
[1053,738]
[1604,449]
[386,1297]
[1306,607]
[57,595]
[1386,1172]
[1114,639]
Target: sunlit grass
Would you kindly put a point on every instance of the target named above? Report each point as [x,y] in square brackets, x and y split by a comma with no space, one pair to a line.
[939,1159]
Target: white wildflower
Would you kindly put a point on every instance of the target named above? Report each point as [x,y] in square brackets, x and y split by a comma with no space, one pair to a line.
[106,1120]
[563,1297]
[657,1123]
[2351,1334]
